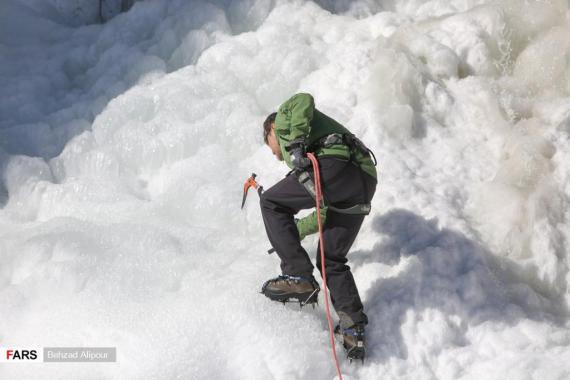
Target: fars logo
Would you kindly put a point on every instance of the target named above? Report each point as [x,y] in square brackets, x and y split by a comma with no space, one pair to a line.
[19,355]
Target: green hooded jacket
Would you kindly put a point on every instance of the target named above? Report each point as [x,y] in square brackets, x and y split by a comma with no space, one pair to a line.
[298,117]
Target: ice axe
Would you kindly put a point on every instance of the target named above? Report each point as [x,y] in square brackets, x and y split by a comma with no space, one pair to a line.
[251,182]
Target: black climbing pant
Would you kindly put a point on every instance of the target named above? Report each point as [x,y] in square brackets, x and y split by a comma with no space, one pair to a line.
[344,185]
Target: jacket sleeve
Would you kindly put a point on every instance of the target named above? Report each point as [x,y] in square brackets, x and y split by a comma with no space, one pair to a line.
[309,224]
[294,116]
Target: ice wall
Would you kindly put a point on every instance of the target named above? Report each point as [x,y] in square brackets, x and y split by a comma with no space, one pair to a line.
[124,147]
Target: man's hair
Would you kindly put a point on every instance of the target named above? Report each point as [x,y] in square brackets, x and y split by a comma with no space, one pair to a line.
[267,125]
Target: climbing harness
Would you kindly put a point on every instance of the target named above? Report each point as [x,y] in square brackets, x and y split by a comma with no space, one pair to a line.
[354,144]
[348,139]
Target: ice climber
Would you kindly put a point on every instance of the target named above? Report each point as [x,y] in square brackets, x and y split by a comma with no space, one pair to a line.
[348,176]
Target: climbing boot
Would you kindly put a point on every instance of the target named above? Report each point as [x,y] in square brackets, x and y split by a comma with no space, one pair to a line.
[284,288]
[353,341]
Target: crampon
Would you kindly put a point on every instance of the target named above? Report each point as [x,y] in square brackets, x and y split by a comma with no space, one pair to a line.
[292,289]
[353,341]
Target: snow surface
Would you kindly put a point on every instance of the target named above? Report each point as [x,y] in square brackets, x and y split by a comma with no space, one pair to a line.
[124,147]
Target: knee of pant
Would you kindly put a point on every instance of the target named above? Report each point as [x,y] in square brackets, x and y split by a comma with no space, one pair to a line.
[337,265]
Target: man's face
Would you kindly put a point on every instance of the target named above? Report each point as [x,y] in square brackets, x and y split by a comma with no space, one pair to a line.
[273,143]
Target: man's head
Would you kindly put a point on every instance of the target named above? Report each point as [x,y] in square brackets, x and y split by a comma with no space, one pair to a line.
[269,136]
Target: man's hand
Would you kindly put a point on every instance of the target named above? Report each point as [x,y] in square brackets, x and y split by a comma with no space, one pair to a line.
[298,152]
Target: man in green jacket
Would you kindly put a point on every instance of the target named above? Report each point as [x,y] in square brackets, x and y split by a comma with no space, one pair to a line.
[348,177]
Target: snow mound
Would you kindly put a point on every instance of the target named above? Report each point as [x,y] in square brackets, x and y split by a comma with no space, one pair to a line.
[124,146]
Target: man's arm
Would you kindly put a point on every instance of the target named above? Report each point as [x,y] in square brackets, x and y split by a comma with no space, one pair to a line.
[294,117]
[309,224]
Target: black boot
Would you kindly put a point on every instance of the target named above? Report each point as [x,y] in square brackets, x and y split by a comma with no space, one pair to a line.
[284,288]
[353,341]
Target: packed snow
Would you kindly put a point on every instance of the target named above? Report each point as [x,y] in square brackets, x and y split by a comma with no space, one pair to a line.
[124,147]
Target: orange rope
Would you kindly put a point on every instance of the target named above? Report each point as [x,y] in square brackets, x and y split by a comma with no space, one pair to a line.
[318,196]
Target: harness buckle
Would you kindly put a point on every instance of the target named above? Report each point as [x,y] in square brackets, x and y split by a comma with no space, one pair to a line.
[332,139]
